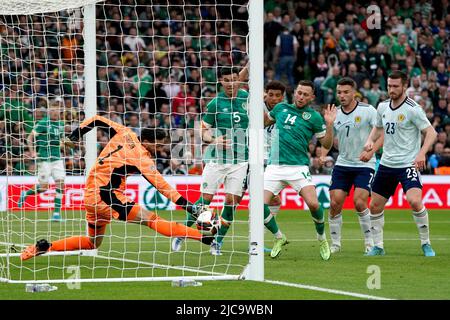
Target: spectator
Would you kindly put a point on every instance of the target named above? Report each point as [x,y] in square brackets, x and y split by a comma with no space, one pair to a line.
[285,54]
[183,98]
[426,51]
[271,31]
[328,165]
[415,89]
[328,86]
[48,62]
[133,42]
[134,123]
[443,138]
[142,85]
[442,74]
[441,108]
[400,50]
[436,156]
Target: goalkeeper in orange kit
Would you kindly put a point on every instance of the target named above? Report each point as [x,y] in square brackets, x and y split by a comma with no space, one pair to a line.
[104,198]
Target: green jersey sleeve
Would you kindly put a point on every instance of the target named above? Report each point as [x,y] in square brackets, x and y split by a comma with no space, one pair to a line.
[40,127]
[272,113]
[211,112]
[319,127]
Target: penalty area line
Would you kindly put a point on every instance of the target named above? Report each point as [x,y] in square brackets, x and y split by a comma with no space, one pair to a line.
[332,291]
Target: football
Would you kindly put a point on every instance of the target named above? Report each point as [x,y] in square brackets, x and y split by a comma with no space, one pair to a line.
[208,223]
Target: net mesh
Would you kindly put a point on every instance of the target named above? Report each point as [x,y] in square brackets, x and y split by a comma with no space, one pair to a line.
[157,66]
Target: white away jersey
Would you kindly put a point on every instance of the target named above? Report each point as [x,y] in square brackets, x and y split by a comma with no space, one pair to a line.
[267,137]
[352,130]
[402,127]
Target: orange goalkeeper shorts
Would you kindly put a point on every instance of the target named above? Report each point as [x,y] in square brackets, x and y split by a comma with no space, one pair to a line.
[102,205]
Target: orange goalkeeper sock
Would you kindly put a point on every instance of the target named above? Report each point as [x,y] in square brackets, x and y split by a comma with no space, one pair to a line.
[72,243]
[173,229]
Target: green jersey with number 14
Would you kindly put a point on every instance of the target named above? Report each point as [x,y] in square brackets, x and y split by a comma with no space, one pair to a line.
[294,129]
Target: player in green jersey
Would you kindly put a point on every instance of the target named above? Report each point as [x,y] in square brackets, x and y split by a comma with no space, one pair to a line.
[295,126]
[44,144]
[224,128]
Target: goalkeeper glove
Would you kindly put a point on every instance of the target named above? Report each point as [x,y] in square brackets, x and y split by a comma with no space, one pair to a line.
[193,209]
[68,143]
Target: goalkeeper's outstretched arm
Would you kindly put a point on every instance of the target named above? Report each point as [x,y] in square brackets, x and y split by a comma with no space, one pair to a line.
[147,168]
[87,125]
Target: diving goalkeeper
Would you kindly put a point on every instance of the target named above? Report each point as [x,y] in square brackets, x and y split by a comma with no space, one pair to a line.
[105,188]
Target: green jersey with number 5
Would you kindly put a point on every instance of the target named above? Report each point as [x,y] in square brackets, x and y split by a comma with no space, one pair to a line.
[228,117]
[294,129]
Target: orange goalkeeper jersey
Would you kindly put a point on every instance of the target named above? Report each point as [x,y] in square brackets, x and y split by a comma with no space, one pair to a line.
[123,155]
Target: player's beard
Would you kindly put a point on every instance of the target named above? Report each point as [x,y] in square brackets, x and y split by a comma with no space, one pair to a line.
[394,96]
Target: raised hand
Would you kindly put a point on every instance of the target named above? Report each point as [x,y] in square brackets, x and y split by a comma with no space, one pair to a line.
[66,142]
[330,114]
[223,141]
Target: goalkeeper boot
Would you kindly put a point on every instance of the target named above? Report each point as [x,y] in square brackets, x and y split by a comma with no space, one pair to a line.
[278,243]
[34,250]
[375,251]
[177,243]
[215,248]
[325,251]
[427,250]
[23,195]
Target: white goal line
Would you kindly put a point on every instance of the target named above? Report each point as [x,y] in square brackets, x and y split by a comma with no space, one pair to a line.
[332,291]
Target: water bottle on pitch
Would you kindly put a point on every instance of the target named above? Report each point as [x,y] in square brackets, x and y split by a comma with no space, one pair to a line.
[185,283]
[39,287]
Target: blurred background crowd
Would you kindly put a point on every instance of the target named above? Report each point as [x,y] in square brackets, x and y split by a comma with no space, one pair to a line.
[157,67]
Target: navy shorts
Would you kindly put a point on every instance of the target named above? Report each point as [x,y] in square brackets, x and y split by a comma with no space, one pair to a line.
[387,179]
[343,178]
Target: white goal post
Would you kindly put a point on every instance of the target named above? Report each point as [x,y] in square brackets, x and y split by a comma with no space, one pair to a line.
[40,66]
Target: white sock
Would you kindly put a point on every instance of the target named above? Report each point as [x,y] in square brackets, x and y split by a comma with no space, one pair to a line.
[274,209]
[377,222]
[278,234]
[421,219]
[364,222]
[335,224]
[321,237]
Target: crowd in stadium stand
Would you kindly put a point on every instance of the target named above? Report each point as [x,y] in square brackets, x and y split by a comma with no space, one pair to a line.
[157,67]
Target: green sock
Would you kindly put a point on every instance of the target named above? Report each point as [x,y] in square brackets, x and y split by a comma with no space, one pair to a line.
[271,224]
[29,192]
[189,219]
[58,200]
[32,191]
[227,216]
[319,220]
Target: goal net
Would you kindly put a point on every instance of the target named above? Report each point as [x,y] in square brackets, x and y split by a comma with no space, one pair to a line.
[139,63]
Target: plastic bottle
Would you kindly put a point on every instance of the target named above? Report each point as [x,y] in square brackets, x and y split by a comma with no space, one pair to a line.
[185,283]
[39,287]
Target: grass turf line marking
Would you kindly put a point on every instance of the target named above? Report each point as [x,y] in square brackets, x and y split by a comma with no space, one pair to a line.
[332,291]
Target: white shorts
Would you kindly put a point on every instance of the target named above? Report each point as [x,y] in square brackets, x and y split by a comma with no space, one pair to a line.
[277,177]
[55,169]
[233,177]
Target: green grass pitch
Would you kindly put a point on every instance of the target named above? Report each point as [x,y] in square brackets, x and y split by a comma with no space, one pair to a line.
[404,272]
